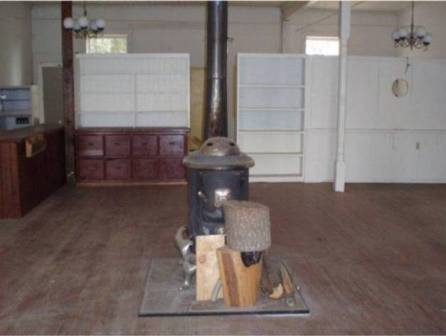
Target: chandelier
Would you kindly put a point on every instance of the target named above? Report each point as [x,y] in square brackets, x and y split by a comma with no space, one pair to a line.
[412,36]
[84,27]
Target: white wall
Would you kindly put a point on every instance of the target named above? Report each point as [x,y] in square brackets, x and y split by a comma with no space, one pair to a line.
[153,28]
[15,44]
[388,139]
[370,35]
[431,15]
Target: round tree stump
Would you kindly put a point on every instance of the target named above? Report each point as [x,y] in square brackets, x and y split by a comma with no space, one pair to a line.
[247,226]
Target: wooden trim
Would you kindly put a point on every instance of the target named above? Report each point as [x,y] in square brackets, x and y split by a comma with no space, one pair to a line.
[68,89]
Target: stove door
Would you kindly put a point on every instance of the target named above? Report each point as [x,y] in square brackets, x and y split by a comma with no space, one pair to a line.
[213,188]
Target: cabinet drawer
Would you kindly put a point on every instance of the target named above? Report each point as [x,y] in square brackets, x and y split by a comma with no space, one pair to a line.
[145,169]
[117,169]
[172,169]
[144,145]
[117,145]
[90,145]
[171,145]
[91,169]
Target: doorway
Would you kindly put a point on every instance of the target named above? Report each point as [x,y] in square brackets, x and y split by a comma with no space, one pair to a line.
[52,96]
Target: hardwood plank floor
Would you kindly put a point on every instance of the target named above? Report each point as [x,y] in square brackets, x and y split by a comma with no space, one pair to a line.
[371,260]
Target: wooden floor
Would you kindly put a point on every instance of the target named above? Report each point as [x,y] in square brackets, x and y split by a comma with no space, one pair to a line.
[371,260]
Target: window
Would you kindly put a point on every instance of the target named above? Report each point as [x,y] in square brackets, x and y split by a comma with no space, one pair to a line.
[322,45]
[107,44]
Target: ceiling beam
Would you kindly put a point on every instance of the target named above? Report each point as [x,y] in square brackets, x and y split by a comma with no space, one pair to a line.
[288,8]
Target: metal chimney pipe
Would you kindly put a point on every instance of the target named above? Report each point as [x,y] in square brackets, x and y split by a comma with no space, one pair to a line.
[216,123]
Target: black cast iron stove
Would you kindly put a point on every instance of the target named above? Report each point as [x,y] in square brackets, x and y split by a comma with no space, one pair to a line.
[217,172]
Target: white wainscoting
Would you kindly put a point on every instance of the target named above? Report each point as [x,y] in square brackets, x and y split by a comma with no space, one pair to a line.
[388,139]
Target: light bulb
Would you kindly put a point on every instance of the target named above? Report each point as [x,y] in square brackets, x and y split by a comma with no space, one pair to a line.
[427,39]
[83,22]
[100,23]
[93,25]
[403,33]
[420,32]
[68,23]
[76,26]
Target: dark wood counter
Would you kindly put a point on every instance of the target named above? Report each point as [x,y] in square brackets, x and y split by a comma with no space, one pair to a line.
[28,176]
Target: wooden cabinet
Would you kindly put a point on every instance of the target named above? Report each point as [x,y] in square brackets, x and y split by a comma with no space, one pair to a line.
[90,169]
[171,145]
[130,154]
[27,178]
[117,169]
[145,169]
[90,145]
[117,145]
[145,145]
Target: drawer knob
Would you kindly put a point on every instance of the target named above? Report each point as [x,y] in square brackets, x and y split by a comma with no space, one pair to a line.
[171,143]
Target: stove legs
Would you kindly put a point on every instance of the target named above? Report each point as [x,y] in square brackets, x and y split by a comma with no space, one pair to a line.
[184,244]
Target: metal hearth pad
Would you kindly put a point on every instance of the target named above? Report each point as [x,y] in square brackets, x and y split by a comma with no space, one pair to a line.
[163,297]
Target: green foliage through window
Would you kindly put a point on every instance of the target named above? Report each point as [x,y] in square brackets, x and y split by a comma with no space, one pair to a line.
[110,44]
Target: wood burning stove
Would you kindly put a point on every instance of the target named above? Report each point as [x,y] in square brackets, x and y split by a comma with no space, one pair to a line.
[217,172]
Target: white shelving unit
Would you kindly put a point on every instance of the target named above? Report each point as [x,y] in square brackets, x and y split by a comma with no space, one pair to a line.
[133,90]
[270,114]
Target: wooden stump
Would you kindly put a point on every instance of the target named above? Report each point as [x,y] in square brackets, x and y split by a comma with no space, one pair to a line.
[241,284]
[247,226]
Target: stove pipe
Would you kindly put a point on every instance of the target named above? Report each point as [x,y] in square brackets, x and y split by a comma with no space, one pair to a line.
[216,123]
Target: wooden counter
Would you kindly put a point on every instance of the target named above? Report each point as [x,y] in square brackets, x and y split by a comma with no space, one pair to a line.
[29,176]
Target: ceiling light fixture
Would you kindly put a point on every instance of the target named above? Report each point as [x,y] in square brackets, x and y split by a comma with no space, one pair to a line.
[84,27]
[412,36]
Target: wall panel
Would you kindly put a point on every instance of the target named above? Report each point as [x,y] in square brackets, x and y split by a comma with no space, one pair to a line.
[388,139]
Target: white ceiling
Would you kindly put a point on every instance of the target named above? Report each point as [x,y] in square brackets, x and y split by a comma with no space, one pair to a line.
[371,5]
[367,5]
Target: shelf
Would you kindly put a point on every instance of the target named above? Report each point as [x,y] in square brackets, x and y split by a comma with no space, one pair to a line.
[106,92]
[270,109]
[14,99]
[270,130]
[177,92]
[160,111]
[104,112]
[300,154]
[272,86]
[276,175]
[275,178]
[130,73]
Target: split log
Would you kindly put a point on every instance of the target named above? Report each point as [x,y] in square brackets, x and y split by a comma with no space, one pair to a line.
[241,284]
